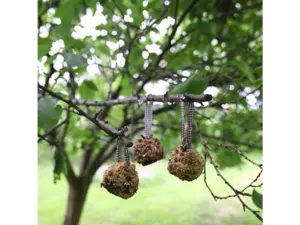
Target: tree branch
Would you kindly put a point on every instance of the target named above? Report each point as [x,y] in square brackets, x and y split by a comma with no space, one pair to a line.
[70,175]
[99,123]
[50,131]
[242,192]
[235,142]
[225,14]
[237,193]
[236,150]
[205,181]
[153,98]
[47,140]
[86,155]
[174,30]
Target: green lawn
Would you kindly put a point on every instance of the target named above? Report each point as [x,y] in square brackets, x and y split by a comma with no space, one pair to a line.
[162,199]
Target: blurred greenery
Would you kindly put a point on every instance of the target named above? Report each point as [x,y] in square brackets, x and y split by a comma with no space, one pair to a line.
[161,199]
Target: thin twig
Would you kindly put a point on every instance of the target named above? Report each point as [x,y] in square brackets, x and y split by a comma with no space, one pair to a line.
[51,130]
[175,27]
[205,181]
[251,184]
[235,142]
[47,140]
[242,192]
[237,193]
[236,150]
[238,100]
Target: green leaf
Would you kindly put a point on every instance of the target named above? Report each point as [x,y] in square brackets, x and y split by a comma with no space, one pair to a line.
[92,4]
[126,86]
[66,12]
[204,27]
[227,158]
[103,91]
[258,71]
[257,199]
[91,85]
[87,89]
[75,60]
[58,165]
[41,7]
[174,62]
[137,12]
[195,84]
[72,43]
[44,46]
[259,81]
[247,70]
[103,49]
[48,113]
[115,117]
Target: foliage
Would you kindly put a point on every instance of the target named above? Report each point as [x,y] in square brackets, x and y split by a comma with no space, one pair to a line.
[48,113]
[257,199]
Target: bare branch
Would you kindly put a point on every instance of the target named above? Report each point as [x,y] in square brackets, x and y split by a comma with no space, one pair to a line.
[237,193]
[50,131]
[205,180]
[154,98]
[236,150]
[242,192]
[47,140]
[119,8]
[252,183]
[238,100]
[235,142]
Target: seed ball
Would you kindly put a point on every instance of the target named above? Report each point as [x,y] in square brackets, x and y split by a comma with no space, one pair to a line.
[148,150]
[186,165]
[121,180]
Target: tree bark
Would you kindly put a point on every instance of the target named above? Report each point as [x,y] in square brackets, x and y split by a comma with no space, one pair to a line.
[76,198]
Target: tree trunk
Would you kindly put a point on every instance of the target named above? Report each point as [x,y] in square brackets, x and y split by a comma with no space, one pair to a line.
[76,198]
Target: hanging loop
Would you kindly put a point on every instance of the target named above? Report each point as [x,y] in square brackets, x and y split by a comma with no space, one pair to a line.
[148,119]
[191,109]
[183,134]
[119,149]
[126,155]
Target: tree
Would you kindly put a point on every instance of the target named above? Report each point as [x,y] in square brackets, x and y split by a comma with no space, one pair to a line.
[92,53]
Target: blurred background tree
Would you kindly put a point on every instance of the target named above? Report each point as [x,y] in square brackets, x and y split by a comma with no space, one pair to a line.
[103,50]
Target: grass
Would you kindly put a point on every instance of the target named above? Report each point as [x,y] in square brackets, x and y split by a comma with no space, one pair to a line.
[162,199]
